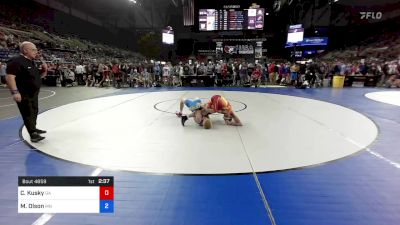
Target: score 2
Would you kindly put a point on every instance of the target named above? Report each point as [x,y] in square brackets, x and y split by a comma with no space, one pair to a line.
[106,199]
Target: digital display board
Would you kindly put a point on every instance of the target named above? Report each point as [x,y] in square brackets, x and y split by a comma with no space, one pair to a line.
[168,36]
[231,19]
[65,194]
[310,41]
[295,35]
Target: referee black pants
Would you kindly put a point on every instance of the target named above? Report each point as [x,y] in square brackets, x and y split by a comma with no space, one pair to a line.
[29,109]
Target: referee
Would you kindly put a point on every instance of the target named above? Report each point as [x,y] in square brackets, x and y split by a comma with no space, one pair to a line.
[24,81]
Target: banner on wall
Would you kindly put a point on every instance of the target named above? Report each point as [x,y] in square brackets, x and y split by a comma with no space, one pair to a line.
[245,49]
[218,48]
[258,50]
[228,49]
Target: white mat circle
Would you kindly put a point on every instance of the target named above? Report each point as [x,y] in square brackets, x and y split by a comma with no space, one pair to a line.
[126,132]
[389,97]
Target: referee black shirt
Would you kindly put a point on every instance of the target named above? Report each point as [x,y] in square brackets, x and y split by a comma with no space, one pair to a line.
[27,74]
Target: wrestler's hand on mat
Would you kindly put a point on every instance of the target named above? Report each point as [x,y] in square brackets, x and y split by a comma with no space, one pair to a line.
[178,114]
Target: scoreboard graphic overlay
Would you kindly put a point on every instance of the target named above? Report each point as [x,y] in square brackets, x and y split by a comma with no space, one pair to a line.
[65,194]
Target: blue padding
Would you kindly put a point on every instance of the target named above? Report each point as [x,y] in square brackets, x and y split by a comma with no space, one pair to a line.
[360,189]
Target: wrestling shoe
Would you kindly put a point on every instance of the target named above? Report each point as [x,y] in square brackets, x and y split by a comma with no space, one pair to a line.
[40,131]
[35,137]
[183,120]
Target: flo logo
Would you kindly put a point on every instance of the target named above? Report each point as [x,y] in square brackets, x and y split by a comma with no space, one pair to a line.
[371,15]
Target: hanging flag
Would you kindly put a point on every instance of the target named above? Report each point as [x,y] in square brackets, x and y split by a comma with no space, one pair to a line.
[188,13]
